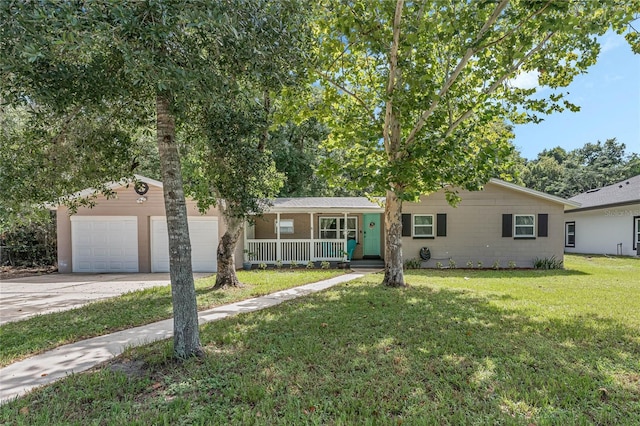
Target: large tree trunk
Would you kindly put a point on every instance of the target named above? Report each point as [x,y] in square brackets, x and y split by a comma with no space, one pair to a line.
[393,268]
[186,339]
[226,275]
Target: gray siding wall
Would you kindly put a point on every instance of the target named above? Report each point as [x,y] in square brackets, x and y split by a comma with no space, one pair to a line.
[474,229]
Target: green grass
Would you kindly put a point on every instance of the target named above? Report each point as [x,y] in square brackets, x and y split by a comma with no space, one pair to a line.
[37,334]
[456,347]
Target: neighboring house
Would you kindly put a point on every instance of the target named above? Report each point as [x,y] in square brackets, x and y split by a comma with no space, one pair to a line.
[607,222]
[129,233]
[504,223]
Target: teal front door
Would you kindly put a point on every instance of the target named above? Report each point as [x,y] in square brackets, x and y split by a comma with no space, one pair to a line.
[371,235]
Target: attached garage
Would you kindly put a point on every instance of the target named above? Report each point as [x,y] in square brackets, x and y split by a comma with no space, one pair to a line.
[104,243]
[203,232]
[128,232]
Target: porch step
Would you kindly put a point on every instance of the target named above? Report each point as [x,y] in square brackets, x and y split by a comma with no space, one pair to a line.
[367,263]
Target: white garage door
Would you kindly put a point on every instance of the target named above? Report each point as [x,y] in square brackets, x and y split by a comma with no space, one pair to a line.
[104,243]
[203,232]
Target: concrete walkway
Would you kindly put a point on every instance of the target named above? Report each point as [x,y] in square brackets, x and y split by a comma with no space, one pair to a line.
[21,377]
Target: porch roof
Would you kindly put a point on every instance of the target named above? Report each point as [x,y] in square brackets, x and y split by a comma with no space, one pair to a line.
[327,204]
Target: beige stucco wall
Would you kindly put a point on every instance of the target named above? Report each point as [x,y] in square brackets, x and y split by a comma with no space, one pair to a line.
[125,204]
[265,227]
[474,229]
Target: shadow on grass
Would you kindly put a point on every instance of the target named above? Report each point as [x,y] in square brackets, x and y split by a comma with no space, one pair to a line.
[370,352]
[42,332]
[361,353]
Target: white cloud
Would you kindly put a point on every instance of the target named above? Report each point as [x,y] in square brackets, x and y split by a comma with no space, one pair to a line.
[526,80]
[610,41]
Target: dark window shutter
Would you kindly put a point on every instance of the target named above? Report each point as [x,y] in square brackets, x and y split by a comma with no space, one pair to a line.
[441,230]
[507,225]
[406,225]
[543,225]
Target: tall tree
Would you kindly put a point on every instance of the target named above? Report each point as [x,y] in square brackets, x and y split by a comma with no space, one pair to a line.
[594,165]
[416,91]
[163,55]
[232,136]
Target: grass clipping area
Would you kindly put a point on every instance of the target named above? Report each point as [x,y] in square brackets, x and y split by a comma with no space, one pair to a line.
[456,347]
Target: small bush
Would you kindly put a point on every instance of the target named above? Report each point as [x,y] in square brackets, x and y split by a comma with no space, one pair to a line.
[262,266]
[547,263]
[325,265]
[279,264]
[480,265]
[310,265]
[293,264]
[414,263]
[512,264]
[452,264]
[470,264]
[439,265]
[496,264]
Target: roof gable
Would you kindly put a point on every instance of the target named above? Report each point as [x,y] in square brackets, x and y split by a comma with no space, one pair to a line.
[538,194]
[112,186]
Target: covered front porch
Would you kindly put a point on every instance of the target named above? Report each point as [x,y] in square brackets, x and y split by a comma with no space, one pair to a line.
[302,230]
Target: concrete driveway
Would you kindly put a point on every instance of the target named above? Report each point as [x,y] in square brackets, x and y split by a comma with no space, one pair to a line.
[21,298]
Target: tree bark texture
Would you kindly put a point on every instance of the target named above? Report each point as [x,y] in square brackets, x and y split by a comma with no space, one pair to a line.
[393,268]
[226,275]
[186,338]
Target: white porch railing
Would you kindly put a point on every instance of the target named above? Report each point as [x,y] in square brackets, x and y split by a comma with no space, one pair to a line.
[299,251]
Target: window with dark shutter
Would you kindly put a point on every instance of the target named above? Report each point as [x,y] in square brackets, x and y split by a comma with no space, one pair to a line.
[543,225]
[406,225]
[507,225]
[441,223]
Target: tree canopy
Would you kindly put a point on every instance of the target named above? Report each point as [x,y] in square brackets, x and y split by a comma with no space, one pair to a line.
[565,174]
[417,93]
[149,61]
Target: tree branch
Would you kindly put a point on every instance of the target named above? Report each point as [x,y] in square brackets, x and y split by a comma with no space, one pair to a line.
[495,85]
[350,93]
[517,27]
[452,78]
[390,120]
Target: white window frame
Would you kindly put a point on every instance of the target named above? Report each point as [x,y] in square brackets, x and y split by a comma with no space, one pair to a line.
[637,232]
[414,226]
[517,226]
[568,234]
[352,232]
[286,226]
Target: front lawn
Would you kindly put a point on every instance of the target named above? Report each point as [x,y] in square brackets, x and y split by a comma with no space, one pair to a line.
[41,333]
[456,347]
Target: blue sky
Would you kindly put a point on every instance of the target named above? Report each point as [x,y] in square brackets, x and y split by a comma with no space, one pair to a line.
[609,97]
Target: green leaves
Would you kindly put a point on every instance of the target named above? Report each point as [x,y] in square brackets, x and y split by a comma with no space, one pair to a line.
[569,173]
[455,61]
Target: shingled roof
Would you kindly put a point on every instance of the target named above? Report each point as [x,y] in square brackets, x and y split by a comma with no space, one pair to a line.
[327,203]
[621,193]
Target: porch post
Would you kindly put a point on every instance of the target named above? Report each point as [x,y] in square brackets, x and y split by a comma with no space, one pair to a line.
[278,248]
[312,249]
[346,237]
[245,248]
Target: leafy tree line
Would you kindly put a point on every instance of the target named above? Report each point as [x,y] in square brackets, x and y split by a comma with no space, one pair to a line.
[568,173]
